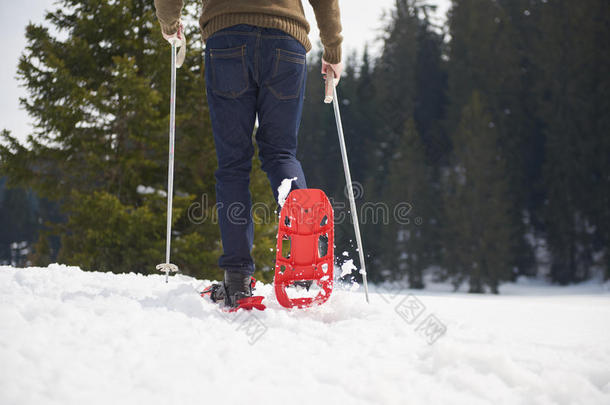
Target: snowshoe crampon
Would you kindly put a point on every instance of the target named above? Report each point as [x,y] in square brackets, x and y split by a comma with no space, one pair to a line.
[305,247]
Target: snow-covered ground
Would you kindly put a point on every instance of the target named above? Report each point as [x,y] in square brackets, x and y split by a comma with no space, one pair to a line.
[73,337]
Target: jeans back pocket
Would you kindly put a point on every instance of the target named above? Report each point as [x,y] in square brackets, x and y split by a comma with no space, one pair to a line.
[287,77]
[228,71]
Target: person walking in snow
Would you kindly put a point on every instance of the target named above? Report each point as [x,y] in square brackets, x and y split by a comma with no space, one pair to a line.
[255,59]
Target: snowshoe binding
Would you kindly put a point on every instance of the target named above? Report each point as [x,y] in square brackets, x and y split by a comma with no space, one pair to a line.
[235,293]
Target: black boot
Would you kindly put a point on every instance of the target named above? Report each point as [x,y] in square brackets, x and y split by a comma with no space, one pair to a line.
[234,287]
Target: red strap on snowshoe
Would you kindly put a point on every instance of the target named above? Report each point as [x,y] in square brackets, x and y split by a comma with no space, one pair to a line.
[307,221]
[207,292]
[255,302]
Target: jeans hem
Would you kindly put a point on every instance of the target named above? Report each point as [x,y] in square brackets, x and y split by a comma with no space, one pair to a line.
[241,270]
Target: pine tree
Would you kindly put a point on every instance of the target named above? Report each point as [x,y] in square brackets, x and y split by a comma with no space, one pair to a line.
[431,88]
[392,86]
[412,234]
[570,56]
[479,233]
[318,147]
[18,216]
[395,83]
[485,55]
[99,95]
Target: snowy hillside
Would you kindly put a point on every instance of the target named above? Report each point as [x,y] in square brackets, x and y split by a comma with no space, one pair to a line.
[72,337]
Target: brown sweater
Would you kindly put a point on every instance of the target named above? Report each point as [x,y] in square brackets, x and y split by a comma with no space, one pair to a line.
[286,15]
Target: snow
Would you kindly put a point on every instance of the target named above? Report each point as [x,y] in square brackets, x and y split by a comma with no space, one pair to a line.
[283,190]
[145,190]
[347,267]
[302,292]
[74,337]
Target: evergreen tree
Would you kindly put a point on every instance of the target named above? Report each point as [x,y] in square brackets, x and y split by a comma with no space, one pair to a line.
[393,89]
[413,224]
[573,67]
[366,119]
[357,126]
[485,56]
[19,221]
[431,88]
[99,96]
[479,235]
[395,84]
[318,146]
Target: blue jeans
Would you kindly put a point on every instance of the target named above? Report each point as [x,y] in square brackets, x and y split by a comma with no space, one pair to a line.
[252,71]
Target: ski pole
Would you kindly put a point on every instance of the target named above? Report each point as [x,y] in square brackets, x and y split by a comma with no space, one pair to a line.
[168,267]
[348,177]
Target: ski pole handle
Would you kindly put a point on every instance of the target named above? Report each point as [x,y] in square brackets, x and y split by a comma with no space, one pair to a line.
[329,85]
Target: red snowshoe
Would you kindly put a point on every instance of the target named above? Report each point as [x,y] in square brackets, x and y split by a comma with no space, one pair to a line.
[305,247]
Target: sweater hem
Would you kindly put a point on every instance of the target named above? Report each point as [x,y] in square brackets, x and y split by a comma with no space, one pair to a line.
[288,25]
